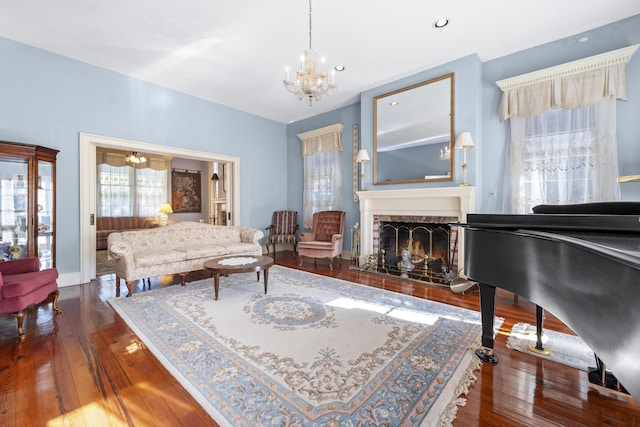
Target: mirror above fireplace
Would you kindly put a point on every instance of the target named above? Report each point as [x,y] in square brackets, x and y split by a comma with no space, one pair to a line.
[413,133]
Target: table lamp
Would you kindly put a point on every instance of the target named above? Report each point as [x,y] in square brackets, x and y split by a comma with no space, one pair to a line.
[165,209]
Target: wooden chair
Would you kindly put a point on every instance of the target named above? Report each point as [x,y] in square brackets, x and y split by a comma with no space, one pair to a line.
[283,229]
[325,239]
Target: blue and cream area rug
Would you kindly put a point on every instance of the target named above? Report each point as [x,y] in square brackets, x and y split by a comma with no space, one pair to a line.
[314,351]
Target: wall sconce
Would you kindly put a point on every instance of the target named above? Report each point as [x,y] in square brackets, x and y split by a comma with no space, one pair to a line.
[463,142]
[165,209]
[216,180]
[362,157]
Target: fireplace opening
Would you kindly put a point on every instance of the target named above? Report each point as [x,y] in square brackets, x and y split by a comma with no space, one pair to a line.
[424,251]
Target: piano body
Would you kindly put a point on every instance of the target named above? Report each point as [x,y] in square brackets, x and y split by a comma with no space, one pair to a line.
[580,262]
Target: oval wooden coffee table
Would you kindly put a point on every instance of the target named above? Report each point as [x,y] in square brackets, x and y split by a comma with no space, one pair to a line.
[222,266]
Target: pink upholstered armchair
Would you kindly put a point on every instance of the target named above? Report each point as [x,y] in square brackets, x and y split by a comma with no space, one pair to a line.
[22,284]
[326,237]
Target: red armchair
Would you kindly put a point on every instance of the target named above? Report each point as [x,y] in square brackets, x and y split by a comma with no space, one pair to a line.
[22,284]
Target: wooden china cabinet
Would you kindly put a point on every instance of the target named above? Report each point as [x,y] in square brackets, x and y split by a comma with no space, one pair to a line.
[28,202]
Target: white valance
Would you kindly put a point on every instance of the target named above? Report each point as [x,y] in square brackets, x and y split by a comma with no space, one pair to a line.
[323,140]
[572,85]
[117,159]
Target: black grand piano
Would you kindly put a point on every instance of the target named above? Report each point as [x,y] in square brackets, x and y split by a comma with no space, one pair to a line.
[579,262]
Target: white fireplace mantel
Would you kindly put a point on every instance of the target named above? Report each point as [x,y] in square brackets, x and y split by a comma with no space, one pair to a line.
[442,201]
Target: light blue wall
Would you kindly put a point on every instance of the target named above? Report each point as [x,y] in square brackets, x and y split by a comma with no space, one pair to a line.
[614,36]
[477,98]
[348,116]
[467,85]
[47,99]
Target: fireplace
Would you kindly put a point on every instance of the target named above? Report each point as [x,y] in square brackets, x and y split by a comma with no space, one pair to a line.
[421,248]
[407,233]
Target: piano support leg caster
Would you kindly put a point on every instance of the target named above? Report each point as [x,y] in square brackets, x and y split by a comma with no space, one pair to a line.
[600,376]
[487,355]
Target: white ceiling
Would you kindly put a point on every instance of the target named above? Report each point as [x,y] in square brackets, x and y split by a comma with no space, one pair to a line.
[235,52]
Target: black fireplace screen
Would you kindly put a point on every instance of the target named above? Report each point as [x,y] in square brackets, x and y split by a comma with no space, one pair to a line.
[422,251]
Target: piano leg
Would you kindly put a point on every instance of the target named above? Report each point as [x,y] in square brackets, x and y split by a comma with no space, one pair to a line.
[600,376]
[487,312]
[538,347]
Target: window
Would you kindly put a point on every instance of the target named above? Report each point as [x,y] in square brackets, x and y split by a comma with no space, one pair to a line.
[563,156]
[129,191]
[321,184]
[322,180]
[562,146]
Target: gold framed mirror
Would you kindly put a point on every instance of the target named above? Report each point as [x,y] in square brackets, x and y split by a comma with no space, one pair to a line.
[413,133]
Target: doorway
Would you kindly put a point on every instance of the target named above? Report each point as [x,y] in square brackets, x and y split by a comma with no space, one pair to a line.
[88,185]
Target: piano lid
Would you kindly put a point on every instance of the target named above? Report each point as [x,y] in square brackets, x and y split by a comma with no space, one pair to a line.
[611,223]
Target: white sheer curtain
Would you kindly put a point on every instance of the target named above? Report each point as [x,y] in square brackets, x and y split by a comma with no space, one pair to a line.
[562,156]
[128,191]
[321,184]
[124,190]
[322,180]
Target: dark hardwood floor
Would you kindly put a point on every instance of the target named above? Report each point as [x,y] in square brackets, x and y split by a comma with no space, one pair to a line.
[85,367]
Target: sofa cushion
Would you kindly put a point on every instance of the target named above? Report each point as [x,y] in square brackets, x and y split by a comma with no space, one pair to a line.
[147,259]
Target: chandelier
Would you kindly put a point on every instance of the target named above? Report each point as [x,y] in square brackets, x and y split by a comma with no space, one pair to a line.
[310,84]
[445,153]
[135,158]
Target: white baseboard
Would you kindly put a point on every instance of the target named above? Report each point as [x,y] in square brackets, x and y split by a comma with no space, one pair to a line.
[69,279]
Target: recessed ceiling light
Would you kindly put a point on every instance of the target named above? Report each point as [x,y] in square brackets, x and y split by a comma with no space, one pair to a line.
[394,103]
[441,23]
[583,39]
[339,67]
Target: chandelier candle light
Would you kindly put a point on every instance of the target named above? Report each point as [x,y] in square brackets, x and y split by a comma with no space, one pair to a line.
[135,158]
[463,142]
[310,84]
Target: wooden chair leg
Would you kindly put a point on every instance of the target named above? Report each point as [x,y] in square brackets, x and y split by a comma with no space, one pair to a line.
[53,297]
[20,316]
[183,277]
[129,286]
[331,263]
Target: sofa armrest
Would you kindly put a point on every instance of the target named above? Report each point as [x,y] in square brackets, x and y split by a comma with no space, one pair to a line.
[336,237]
[307,237]
[116,247]
[250,235]
[21,265]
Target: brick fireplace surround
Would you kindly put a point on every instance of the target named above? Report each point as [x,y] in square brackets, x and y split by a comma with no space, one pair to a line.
[444,202]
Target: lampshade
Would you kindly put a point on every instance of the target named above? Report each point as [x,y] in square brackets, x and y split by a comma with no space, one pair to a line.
[362,156]
[166,208]
[464,141]
[215,177]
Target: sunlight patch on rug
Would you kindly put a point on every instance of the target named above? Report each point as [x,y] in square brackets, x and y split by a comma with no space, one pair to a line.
[315,351]
[567,349]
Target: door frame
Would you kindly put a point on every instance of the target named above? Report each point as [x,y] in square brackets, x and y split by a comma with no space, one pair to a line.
[88,183]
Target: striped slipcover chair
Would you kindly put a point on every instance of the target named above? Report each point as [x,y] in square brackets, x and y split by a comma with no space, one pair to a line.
[283,229]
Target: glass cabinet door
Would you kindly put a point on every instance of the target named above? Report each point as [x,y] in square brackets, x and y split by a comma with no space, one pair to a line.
[45,208]
[14,211]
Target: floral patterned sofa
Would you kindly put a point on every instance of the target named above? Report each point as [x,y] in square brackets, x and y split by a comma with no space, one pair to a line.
[177,249]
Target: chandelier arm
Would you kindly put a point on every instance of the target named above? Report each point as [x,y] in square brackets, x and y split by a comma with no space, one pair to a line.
[310,25]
